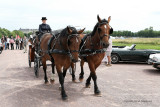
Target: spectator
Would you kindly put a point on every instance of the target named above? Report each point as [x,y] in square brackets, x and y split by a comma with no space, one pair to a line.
[8,39]
[5,42]
[12,43]
[21,44]
[25,42]
[108,52]
[17,43]
[2,40]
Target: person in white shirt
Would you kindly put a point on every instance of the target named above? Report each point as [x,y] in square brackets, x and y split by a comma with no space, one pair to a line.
[8,39]
[108,52]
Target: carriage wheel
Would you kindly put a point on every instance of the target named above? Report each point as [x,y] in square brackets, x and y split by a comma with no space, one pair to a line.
[29,61]
[36,67]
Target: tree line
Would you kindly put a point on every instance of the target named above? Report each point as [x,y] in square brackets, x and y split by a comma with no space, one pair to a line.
[8,33]
[148,32]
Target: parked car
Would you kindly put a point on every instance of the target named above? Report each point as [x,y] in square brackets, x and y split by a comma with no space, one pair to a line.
[154,59]
[130,53]
[1,47]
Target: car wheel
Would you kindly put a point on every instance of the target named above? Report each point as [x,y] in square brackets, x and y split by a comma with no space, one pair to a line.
[115,58]
[156,66]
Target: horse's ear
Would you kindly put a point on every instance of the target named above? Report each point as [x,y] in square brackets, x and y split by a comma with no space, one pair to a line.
[109,19]
[99,19]
[81,31]
[69,30]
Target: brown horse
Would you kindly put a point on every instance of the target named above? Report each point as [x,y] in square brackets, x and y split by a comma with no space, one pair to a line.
[92,50]
[63,50]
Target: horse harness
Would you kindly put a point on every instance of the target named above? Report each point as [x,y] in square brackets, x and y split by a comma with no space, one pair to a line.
[90,52]
[56,38]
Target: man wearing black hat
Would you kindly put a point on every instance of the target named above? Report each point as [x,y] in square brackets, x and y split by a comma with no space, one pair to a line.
[44,28]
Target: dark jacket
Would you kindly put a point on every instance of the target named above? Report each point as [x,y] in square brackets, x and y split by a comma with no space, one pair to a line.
[44,28]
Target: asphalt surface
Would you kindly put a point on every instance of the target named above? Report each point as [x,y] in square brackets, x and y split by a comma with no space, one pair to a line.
[122,85]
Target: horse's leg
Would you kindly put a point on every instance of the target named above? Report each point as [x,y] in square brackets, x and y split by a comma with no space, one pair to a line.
[73,72]
[45,73]
[88,83]
[81,75]
[53,71]
[64,72]
[61,81]
[94,77]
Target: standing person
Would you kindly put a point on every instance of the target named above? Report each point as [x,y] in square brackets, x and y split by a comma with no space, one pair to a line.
[5,42]
[17,43]
[108,52]
[25,42]
[2,40]
[8,39]
[12,43]
[21,44]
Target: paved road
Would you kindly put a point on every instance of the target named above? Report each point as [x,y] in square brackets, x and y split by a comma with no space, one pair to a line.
[122,85]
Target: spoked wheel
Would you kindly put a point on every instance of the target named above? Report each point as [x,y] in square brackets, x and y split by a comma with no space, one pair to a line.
[115,58]
[36,66]
[29,61]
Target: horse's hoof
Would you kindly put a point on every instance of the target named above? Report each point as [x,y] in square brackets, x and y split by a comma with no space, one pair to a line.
[88,85]
[52,81]
[74,80]
[80,79]
[46,83]
[98,93]
[64,97]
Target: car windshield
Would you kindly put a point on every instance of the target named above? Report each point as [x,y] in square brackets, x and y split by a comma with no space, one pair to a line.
[133,46]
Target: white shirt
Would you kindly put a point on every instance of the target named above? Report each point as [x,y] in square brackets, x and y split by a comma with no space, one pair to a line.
[110,45]
[8,40]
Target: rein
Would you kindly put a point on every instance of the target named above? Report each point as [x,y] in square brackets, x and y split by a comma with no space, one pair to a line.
[61,51]
[93,51]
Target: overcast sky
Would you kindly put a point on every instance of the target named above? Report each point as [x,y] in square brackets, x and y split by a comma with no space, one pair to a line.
[133,15]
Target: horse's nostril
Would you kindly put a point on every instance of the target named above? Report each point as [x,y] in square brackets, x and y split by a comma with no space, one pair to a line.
[105,45]
[74,60]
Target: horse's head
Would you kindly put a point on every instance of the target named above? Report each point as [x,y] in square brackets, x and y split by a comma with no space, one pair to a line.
[104,30]
[73,42]
[33,40]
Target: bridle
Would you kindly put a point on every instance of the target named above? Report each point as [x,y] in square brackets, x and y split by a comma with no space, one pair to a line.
[69,50]
[62,50]
[93,51]
[101,37]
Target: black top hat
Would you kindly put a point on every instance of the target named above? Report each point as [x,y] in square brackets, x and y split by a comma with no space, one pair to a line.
[44,18]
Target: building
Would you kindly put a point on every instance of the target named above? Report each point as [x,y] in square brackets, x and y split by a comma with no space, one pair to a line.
[28,30]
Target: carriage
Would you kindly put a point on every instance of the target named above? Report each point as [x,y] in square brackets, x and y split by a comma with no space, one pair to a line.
[33,56]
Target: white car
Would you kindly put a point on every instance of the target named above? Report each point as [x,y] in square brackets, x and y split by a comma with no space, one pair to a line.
[154,59]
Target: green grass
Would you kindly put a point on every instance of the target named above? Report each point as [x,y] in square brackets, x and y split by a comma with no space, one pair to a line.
[154,41]
[140,46]
[141,43]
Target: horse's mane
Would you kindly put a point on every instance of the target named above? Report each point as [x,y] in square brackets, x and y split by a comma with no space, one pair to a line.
[64,32]
[95,27]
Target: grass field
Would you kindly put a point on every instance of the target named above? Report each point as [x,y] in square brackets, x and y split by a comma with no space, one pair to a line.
[141,43]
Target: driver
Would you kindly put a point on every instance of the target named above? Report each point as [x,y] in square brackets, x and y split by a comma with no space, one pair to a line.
[44,28]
